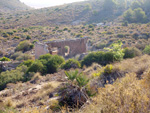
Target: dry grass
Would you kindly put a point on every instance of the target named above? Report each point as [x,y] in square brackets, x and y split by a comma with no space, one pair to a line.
[36,78]
[137,65]
[9,103]
[126,95]
[45,91]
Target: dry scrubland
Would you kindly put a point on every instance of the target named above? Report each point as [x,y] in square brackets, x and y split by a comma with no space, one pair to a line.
[75,13]
[128,91]
[134,35]
[113,79]
[8,6]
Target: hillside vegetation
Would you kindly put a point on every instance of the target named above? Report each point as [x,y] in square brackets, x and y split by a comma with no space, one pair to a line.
[7,6]
[113,76]
[92,11]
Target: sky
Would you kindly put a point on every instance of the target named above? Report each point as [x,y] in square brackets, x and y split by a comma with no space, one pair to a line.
[46,3]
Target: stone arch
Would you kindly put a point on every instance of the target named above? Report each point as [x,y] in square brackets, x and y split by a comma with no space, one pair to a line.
[67,51]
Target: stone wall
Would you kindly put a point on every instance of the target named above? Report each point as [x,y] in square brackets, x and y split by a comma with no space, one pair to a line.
[76,46]
[40,49]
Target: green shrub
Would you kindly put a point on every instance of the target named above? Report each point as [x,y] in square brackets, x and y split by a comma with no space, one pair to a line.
[120,35]
[100,57]
[71,63]
[114,53]
[131,52]
[5,35]
[10,33]
[54,63]
[116,49]
[46,64]
[16,37]
[24,57]
[108,58]
[108,69]
[37,66]
[25,30]
[90,58]
[45,57]
[15,55]
[27,63]
[136,16]
[24,46]
[65,29]
[12,76]
[147,49]
[4,59]
[100,45]
[28,37]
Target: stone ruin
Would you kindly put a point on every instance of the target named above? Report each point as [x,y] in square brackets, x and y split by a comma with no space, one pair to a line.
[66,48]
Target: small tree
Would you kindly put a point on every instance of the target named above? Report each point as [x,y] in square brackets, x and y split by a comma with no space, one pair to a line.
[128,15]
[140,15]
[109,5]
[135,5]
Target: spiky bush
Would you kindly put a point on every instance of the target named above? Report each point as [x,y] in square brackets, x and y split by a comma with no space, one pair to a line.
[71,75]
[76,93]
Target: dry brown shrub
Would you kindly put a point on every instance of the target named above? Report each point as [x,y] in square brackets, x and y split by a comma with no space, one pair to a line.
[126,95]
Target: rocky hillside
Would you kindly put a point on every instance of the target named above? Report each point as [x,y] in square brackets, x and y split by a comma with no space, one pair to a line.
[12,5]
[74,14]
[90,11]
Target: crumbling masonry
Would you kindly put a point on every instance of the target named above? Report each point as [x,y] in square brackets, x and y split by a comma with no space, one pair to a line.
[75,46]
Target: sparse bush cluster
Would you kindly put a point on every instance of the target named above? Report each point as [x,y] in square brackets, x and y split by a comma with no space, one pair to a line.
[114,53]
[46,64]
[24,46]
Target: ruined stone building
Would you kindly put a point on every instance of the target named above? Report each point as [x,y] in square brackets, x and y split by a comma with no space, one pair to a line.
[67,48]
